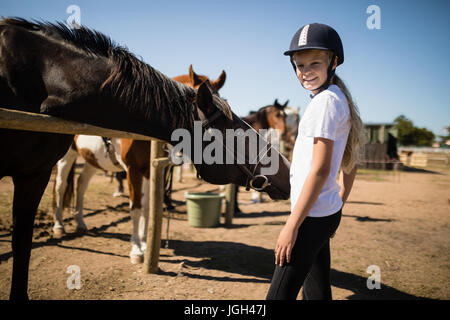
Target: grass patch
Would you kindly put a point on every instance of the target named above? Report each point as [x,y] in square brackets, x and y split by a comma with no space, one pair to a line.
[374,174]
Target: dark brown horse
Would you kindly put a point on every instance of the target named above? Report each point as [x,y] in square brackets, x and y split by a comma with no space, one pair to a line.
[268,117]
[83,76]
[271,116]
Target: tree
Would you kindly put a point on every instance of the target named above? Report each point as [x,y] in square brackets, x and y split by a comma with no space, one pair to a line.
[445,138]
[409,135]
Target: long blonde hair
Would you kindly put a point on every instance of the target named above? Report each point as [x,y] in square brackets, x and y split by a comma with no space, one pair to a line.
[357,136]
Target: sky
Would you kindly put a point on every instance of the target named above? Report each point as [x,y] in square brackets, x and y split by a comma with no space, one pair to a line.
[400,68]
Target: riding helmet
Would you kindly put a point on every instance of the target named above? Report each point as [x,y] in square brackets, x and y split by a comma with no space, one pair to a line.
[317,36]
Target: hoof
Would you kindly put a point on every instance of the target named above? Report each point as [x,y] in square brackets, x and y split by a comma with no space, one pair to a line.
[117,194]
[80,230]
[136,259]
[58,232]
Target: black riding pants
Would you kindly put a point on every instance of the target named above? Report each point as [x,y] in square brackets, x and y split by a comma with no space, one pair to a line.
[310,262]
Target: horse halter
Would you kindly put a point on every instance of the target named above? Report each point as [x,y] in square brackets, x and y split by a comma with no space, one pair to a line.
[256,182]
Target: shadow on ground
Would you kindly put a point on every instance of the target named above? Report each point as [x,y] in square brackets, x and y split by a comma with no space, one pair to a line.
[43,232]
[256,264]
[420,170]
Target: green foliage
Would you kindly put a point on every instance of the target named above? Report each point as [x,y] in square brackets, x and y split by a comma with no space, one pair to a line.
[409,135]
[446,137]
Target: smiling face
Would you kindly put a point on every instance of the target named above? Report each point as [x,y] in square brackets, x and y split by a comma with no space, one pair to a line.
[312,67]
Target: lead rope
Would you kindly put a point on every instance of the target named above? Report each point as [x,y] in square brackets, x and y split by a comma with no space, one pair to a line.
[167,229]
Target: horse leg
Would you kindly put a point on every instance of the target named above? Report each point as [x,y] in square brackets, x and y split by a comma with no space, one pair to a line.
[63,168]
[134,178]
[143,220]
[120,176]
[28,191]
[82,184]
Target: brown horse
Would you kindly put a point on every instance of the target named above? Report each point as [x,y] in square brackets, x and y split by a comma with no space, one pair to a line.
[194,80]
[136,153]
[81,75]
[114,156]
[271,116]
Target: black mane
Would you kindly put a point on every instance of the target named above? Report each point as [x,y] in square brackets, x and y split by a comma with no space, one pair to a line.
[134,83]
[89,41]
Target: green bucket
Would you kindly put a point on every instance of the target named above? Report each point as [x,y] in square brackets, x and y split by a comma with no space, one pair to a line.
[203,209]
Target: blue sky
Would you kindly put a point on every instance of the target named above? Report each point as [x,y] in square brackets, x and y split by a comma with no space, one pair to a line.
[402,68]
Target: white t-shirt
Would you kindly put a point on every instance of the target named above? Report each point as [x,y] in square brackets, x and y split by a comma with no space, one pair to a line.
[326,116]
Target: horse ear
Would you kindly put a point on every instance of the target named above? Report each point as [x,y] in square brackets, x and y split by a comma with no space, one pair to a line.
[275,102]
[278,105]
[204,98]
[285,104]
[195,79]
[220,81]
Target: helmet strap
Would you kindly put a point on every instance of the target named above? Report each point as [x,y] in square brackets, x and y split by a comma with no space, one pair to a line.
[330,74]
[293,65]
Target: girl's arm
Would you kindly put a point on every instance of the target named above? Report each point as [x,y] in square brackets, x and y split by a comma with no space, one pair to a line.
[320,170]
[346,184]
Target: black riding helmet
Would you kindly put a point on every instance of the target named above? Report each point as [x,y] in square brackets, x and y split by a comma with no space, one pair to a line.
[317,36]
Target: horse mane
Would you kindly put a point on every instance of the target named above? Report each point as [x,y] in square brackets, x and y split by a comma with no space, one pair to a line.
[137,85]
[88,41]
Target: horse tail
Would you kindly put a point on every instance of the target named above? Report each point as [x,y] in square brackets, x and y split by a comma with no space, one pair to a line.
[68,193]
[55,169]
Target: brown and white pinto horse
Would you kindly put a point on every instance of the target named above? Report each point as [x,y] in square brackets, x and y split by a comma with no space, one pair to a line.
[122,154]
[116,155]
[98,153]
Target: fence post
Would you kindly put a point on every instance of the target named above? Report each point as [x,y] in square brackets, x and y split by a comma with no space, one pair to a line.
[157,165]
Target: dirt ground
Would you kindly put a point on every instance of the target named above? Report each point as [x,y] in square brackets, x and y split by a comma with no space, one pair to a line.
[397,221]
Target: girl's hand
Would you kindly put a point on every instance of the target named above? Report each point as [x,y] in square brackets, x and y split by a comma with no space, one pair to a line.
[285,243]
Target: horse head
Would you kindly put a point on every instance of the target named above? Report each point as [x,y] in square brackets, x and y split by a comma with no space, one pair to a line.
[276,117]
[194,80]
[232,151]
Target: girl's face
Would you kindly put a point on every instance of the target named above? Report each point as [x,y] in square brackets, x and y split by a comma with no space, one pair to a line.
[312,67]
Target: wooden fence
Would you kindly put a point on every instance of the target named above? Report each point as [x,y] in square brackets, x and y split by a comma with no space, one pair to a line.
[18,120]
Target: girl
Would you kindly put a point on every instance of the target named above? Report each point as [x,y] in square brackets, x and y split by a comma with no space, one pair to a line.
[329,137]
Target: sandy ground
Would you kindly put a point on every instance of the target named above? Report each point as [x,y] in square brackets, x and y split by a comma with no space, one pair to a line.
[398,222]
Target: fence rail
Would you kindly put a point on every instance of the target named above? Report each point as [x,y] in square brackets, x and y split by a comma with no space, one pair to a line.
[424,150]
[20,120]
